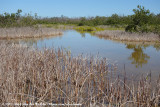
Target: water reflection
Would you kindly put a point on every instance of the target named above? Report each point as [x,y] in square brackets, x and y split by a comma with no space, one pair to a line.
[138,57]
[157,46]
[83,35]
[134,54]
[28,41]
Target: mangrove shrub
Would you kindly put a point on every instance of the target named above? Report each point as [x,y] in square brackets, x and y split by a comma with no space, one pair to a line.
[140,20]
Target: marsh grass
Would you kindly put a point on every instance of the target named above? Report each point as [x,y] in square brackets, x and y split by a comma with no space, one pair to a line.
[54,76]
[88,28]
[59,26]
[107,27]
[82,29]
[27,32]
[126,36]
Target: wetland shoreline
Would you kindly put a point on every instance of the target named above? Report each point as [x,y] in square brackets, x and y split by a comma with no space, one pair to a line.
[28,32]
[126,36]
[102,32]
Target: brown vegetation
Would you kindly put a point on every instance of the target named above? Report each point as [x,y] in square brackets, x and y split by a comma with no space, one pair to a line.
[27,32]
[32,76]
[127,36]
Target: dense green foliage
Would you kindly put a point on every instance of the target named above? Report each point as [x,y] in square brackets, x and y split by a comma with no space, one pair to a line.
[15,19]
[141,21]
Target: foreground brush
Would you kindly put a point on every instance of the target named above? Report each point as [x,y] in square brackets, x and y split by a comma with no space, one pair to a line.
[30,76]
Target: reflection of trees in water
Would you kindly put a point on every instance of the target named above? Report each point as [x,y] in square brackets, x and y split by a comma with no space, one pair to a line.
[83,35]
[28,41]
[157,46]
[138,57]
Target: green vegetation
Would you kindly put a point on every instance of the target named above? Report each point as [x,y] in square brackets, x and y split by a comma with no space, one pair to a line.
[16,19]
[94,29]
[88,29]
[141,21]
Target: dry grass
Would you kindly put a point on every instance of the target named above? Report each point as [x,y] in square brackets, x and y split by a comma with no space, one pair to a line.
[50,76]
[27,32]
[126,36]
[57,26]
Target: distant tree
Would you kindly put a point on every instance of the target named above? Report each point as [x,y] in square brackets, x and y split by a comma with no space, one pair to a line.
[82,21]
[158,15]
[36,16]
[113,20]
[98,20]
[18,14]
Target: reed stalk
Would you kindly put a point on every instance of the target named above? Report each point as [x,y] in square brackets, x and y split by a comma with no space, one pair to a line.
[53,76]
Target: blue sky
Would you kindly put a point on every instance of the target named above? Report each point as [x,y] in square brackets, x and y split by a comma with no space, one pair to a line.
[76,8]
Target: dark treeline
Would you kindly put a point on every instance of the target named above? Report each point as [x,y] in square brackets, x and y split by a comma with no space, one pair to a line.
[141,18]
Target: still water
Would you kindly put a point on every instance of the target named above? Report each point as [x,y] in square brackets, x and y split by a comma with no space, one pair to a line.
[133,58]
